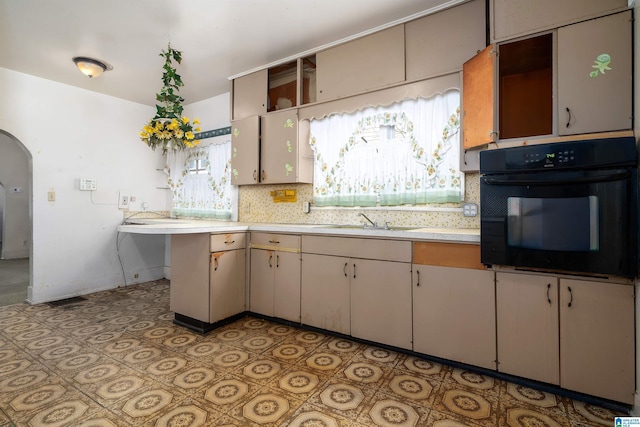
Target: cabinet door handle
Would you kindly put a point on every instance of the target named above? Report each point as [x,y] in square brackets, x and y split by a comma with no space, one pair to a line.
[277,261]
[229,243]
[548,289]
[418,273]
[571,297]
[255,175]
[354,271]
[274,241]
[215,263]
[264,175]
[270,259]
[569,118]
[344,269]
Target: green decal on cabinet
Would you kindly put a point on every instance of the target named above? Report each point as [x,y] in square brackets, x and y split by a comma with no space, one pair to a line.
[289,147]
[236,132]
[288,168]
[235,152]
[235,173]
[602,63]
[288,123]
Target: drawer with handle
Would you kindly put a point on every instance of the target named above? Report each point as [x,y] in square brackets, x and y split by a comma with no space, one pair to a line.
[227,241]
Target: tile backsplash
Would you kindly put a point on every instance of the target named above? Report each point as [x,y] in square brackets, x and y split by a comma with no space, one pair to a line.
[255,204]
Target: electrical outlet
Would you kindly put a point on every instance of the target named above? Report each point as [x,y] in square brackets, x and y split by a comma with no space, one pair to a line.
[51,196]
[470,209]
[123,201]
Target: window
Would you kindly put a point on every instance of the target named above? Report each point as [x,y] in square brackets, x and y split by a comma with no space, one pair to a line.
[197,167]
[406,153]
[200,180]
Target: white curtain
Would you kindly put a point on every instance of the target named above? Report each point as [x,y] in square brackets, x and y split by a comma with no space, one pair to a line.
[406,153]
[208,194]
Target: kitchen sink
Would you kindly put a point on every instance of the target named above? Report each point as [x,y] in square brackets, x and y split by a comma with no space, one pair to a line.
[361,227]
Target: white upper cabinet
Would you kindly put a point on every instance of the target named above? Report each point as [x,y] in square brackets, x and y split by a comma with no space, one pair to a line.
[371,62]
[249,95]
[595,75]
[286,155]
[515,18]
[429,53]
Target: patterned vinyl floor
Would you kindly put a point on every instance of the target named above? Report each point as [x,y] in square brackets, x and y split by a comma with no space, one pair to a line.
[116,359]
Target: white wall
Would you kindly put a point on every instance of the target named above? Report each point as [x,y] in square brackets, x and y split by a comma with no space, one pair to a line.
[14,173]
[73,133]
[213,113]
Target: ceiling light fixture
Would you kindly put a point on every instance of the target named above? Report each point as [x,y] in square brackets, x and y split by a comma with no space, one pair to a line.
[91,67]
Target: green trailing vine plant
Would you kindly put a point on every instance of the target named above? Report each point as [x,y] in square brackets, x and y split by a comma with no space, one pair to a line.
[169,129]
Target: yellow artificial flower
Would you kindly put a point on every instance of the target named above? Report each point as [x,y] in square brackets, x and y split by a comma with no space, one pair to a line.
[166,134]
[198,129]
[189,135]
[196,121]
[185,120]
[173,125]
[179,133]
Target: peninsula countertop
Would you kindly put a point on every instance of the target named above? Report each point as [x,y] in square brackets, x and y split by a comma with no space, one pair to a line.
[191,226]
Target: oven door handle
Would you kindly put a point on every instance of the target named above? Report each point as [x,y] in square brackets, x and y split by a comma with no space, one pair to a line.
[539,182]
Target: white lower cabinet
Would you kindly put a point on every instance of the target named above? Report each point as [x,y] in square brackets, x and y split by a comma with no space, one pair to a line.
[597,350]
[207,276]
[365,298]
[275,276]
[381,302]
[326,293]
[527,326]
[227,284]
[454,314]
[578,334]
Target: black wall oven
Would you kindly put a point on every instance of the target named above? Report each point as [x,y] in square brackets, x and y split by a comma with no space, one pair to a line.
[567,207]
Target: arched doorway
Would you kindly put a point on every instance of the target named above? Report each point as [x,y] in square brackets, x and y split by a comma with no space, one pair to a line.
[15,220]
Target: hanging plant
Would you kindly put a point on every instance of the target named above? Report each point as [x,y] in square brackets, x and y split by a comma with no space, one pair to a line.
[168,129]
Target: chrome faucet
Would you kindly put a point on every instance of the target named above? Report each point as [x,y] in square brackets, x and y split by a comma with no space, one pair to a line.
[373,224]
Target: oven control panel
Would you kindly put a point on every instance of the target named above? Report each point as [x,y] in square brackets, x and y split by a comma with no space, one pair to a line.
[548,159]
[588,154]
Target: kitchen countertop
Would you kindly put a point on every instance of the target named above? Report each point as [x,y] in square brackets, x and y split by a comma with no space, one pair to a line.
[192,226]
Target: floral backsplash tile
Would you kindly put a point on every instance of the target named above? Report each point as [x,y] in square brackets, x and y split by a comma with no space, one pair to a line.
[255,204]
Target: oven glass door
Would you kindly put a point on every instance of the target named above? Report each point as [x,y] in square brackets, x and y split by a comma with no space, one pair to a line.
[574,221]
[553,223]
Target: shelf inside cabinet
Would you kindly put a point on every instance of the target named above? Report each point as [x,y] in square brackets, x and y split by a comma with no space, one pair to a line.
[526,87]
[283,86]
[292,84]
